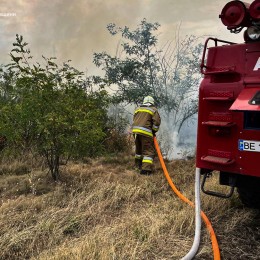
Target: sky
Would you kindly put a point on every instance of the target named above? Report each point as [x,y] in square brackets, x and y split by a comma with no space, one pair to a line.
[75,29]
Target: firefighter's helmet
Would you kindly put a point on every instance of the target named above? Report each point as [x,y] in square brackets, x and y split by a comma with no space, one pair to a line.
[148,99]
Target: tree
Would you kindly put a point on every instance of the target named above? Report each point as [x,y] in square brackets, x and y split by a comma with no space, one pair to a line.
[134,73]
[50,109]
[169,74]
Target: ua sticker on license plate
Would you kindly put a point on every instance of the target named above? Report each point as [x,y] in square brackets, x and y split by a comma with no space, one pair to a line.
[249,145]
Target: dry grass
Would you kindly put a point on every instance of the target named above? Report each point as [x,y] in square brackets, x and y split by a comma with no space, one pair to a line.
[102,209]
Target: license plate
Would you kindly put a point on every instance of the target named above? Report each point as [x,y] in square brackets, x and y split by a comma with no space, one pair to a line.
[249,145]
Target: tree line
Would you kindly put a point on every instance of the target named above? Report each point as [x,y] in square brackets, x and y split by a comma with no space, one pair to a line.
[59,113]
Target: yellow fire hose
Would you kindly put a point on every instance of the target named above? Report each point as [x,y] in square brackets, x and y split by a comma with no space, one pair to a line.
[214,241]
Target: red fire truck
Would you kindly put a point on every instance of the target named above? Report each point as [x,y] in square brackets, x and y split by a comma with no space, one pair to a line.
[228,140]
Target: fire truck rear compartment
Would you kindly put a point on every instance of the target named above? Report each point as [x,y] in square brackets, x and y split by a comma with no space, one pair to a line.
[228,138]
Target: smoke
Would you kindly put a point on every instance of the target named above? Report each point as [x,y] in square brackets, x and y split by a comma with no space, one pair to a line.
[67,29]
[176,145]
[76,29]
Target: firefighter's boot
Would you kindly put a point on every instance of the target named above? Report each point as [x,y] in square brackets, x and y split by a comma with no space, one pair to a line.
[145,172]
[138,164]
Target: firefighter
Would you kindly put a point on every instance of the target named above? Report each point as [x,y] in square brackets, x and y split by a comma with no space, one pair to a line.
[146,123]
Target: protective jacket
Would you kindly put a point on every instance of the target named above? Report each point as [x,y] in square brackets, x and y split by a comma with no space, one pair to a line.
[146,120]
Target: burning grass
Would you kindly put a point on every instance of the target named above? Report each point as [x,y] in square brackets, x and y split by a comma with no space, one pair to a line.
[102,209]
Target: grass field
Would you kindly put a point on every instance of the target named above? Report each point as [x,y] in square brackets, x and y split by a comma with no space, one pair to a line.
[103,209]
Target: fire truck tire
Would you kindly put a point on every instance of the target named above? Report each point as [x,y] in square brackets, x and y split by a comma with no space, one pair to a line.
[249,198]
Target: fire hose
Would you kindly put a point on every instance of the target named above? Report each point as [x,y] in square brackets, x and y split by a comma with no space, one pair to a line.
[198,212]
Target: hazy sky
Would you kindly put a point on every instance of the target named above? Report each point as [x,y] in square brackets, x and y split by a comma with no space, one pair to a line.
[76,29]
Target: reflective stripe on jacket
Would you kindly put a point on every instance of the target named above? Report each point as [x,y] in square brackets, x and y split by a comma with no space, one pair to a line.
[146,120]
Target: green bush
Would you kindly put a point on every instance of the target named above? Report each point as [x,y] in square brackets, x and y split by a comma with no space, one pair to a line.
[50,109]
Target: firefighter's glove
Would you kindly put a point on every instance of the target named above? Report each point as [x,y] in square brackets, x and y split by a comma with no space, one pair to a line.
[154,133]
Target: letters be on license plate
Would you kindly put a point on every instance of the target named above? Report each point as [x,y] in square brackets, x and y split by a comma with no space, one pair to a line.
[249,145]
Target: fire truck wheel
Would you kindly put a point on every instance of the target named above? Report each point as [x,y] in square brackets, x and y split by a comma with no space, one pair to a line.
[249,198]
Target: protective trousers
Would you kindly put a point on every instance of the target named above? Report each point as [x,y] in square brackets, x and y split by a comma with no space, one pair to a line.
[144,152]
